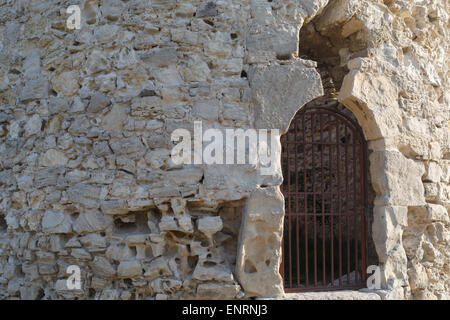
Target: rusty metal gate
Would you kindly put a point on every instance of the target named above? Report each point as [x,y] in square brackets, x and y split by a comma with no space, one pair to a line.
[324,161]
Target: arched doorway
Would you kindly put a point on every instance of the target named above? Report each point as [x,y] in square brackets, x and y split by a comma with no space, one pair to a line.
[324,162]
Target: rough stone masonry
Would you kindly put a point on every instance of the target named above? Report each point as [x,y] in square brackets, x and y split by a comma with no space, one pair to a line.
[86,117]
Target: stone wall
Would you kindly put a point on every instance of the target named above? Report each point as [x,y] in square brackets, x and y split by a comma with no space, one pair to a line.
[86,176]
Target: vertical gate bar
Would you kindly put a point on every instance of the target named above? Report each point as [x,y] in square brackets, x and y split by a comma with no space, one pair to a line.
[322,184]
[362,214]
[289,211]
[297,253]
[347,201]
[364,184]
[283,150]
[305,189]
[331,203]
[355,203]
[314,198]
[339,200]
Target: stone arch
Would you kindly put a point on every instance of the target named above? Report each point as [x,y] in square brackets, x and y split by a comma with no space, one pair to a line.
[279,90]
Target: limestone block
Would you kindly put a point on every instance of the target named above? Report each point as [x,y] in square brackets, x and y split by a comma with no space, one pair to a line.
[434,172]
[81,254]
[387,229]
[136,239]
[91,221]
[127,146]
[34,89]
[278,91]
[309,8]
[206,110]
[210,225]
[378,114]
[212,273]
[156,268]
[32,292]
[196,70]
[102,267]
[53,157]
[33,125]
[13,287]
[165,285]
[262,226]
[431,191]
[146,107]
[158,158]
[338,13]
[85,195]
[428,213]
[234,112]
[98,102]
[119,253]
[396,179]
[112,9]
[47,268]
[115,119]
[96,62]
[93,240]
[394,271]
[112,207]
[160,57]
[280,40]
[62,289]
[262,13]
[73,243]
[185,223]
[185,176]
[217,291]
[106,33]
[66,83]
[56,222]
[207,10]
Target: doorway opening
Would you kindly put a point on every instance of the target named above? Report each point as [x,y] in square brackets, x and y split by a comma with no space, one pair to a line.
[324,162]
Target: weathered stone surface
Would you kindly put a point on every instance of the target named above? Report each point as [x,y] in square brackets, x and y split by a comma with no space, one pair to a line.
[33,125]
[66,83]
[213,273]
[86,117]
[206,110]
[217,291]
[115,119]
[34,89]
[90,221]
[102,267]
[209,225]
[206,10]
[146,107]
[98,102]
[396,179]
[276,99]
[129,269]
[261,225]
[53,158]
[56,222]
[158,267]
